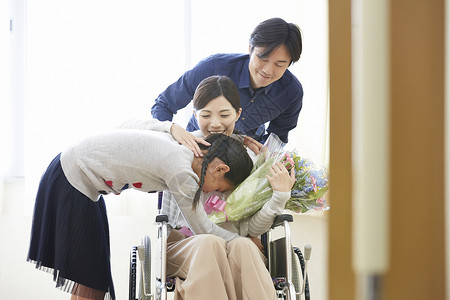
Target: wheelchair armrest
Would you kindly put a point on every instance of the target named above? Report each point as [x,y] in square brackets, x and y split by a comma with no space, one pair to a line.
[281,218]
[161,218]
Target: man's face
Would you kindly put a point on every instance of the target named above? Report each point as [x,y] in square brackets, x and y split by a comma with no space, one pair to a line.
[264,71]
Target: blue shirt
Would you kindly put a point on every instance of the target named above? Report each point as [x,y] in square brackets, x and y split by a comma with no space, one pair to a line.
[277,104]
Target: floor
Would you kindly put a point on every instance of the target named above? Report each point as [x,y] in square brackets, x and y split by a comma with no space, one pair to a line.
[131,216]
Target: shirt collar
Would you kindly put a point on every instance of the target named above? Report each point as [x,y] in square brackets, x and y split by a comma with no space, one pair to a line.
[244,81]
[267,88]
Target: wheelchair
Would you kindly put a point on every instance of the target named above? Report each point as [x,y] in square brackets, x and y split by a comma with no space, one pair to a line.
[284,262]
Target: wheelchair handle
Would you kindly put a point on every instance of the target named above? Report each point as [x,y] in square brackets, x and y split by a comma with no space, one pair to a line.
[307,252]
[279,220]
[141,254]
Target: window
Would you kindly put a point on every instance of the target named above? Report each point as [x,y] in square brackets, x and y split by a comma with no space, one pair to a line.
[93,64]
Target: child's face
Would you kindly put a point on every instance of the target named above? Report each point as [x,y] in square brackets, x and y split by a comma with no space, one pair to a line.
[215,177]
[218,116]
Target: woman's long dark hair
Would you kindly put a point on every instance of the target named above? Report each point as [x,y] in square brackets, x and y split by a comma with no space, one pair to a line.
[213,87]
[232,152]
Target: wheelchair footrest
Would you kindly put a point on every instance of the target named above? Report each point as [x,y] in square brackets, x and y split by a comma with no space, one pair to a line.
[170,283]
[279,283]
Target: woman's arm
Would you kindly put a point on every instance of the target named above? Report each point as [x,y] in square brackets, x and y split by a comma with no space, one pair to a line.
[147,124]
[262,220]
[183,188]
[178,133]
[281,181]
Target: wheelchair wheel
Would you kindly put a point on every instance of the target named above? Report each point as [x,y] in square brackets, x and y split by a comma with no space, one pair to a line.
[295,273]
[146,265]
[132,279]
[299,254]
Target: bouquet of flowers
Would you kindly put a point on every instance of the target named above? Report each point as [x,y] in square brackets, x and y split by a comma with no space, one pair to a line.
[250,196]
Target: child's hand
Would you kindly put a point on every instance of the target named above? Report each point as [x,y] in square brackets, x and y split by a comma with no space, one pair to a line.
[280,179]
[187,139]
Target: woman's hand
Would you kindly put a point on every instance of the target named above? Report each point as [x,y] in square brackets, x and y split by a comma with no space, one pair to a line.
[280,179]
[253,144]
[187,139]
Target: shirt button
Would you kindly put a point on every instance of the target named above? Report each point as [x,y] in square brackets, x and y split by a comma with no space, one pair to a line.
[253,100]
[243,118]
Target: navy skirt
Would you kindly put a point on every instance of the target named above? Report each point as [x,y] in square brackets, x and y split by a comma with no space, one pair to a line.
[70,236]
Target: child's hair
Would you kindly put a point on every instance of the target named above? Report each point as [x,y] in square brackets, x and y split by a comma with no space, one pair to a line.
[232,152]
[215,86]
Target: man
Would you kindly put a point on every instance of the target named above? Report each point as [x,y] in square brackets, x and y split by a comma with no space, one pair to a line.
[269,92]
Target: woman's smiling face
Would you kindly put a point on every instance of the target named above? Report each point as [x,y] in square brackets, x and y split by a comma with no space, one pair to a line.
[218,116]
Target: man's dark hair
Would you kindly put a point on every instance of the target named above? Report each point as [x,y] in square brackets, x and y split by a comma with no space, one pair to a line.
[272,33]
